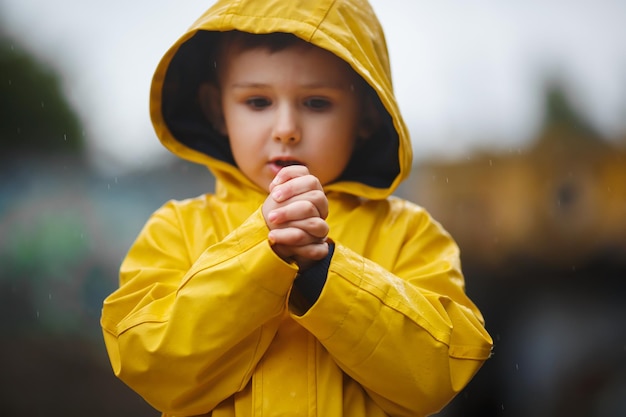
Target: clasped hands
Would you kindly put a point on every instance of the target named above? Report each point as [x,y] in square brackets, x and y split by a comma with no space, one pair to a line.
[295,212]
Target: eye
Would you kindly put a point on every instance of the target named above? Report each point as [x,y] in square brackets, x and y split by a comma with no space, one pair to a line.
[258,103]
[317,103]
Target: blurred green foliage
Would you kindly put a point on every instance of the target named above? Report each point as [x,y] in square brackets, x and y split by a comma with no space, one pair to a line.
[34,114]
[62,235]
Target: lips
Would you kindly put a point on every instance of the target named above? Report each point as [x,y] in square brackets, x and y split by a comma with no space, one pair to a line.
[276,164]
[287,162]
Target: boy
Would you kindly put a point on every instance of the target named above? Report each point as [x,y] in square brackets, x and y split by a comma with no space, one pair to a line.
[300,287]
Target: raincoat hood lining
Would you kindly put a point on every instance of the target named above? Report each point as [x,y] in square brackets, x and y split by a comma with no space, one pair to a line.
[380,163]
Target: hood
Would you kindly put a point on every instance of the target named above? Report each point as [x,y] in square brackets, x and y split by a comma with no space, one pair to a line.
[347,28]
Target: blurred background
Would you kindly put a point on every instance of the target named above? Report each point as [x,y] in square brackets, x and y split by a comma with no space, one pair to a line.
[518,116]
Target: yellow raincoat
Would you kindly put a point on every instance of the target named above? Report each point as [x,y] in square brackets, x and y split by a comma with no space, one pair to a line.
[201,323]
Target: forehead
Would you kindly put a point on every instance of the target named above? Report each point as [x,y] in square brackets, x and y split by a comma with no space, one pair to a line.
[239,52]
[300,59]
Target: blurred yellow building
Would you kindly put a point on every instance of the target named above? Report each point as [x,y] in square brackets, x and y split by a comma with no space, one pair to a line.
[560,204]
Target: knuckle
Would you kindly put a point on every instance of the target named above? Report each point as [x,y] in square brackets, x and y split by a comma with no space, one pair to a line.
[319,252]
[312,209]
[307,208]
[317,227]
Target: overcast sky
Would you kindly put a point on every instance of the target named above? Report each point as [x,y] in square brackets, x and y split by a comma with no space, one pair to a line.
[468,74]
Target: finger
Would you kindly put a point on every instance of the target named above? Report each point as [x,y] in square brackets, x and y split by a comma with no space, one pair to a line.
[288,173]
[315,197]
[312,203]
[293,236]
[300,254]
[313,226]
[314,252]
[294,187]
[295,210]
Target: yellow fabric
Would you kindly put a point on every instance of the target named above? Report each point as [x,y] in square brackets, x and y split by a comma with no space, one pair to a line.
[201,325]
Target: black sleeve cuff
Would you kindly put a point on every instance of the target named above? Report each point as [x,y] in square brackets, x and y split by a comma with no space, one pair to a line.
[309,284]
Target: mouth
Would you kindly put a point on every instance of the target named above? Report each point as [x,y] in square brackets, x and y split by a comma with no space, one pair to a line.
[277,164]
[285,162]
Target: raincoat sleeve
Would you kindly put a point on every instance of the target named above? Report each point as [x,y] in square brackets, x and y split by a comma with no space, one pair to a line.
[403,328]
[186,334]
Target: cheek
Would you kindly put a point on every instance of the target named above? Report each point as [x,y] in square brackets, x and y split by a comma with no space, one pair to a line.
[335,152]
[348,137]
[242,133]
[244,151]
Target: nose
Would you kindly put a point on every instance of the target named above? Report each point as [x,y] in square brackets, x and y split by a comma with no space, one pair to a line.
[287,126]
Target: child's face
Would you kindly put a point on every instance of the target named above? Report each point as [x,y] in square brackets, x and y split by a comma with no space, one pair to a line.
[299,105]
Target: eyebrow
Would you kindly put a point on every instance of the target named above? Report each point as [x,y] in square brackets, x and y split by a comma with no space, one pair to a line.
[317,85]
[248,85]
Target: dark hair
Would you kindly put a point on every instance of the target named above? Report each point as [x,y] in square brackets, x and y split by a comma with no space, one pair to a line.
[244,41]
[275,42]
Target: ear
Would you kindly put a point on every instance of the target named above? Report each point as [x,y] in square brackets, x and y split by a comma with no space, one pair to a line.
[211,104]
[370,119]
